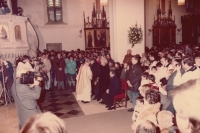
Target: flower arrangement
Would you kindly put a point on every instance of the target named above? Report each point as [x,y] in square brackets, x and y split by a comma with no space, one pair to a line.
[135,35]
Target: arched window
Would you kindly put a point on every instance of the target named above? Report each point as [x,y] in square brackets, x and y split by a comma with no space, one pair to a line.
[54,11]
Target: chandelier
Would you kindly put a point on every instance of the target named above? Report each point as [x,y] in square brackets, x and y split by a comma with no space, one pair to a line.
[181,2]
[104,2]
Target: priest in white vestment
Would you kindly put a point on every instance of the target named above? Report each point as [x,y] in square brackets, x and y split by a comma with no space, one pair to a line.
[83,84]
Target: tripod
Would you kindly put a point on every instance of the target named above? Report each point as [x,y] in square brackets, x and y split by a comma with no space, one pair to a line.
[4,90]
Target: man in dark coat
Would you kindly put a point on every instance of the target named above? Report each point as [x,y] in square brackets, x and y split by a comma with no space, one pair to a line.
[60,74]
[134,80]
[103,80]
[114,89]
[96,70]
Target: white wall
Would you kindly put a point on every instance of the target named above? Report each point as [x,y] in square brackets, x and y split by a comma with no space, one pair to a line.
[67,33]
[151,10]
[121,13]
[125,13]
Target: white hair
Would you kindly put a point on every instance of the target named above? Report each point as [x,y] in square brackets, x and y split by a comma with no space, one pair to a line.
[164,118]
[44,123]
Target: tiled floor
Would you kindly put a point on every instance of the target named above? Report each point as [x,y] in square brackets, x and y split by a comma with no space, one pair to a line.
[62,103]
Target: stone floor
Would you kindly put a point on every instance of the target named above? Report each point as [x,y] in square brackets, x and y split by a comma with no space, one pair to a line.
[62,103]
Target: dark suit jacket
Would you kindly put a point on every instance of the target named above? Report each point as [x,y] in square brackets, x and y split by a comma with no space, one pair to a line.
[134,76]
[115,87]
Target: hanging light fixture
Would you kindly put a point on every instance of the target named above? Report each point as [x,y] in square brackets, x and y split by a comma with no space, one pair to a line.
[181,2]
[104,2]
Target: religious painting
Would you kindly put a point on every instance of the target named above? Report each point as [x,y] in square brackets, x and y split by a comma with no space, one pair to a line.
[89,38]
[18,32]
[97,38]
[4,32]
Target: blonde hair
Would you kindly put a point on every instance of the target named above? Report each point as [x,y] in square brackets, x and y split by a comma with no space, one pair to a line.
[164,118]
[44,123]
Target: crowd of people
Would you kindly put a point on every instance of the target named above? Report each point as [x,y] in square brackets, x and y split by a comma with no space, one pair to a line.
[152,79]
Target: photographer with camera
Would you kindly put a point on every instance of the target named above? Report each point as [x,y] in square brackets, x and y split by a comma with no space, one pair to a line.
[26,64]
[26,91]
[45,67]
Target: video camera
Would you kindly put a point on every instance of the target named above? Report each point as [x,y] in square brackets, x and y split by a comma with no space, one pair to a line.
[163,81]
[28,78]
[37,60]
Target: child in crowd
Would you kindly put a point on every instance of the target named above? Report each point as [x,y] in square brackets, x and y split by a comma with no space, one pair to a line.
[144,80]
[153,70]
[151,78]
[138,107]
[158,71]
[155,73]
[149,109]
[144,88]
[165,122]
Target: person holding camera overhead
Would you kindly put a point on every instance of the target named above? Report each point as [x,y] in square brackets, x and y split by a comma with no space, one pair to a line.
[46,67]
[26,95]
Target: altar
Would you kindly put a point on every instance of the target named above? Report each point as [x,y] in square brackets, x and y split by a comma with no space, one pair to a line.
[17,37]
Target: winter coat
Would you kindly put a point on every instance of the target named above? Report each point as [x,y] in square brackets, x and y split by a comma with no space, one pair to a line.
[60,74]
[115,87]
[71,67]
[104,78]
[96,70]
[134,76]
[25,101]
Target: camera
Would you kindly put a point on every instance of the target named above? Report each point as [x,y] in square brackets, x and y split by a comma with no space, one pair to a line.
[163,81]
[37,61]
[28,78]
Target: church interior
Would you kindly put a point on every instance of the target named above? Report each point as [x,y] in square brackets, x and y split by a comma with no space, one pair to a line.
[67,25]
